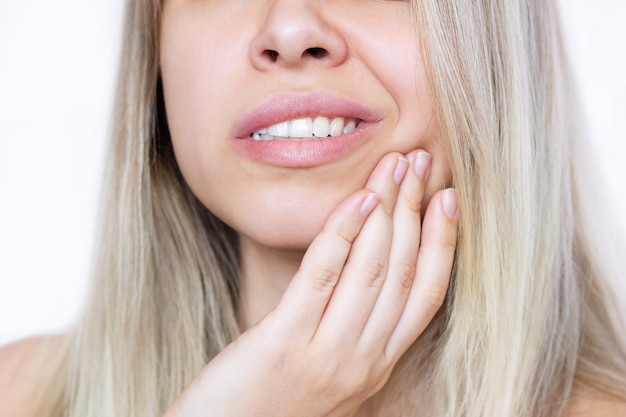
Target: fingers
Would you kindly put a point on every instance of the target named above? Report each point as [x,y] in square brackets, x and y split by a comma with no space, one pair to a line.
[434,266]
[403,255]
[394,266]
[366,268]
[306,298]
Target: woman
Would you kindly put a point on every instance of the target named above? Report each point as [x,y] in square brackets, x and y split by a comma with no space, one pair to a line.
[204,302]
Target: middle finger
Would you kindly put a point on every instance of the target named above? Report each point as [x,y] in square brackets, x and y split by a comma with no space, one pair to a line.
[366,267]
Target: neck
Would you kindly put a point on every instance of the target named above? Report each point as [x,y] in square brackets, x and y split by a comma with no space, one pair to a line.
[265,274]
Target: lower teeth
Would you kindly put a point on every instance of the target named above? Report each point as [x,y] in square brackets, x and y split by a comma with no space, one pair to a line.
[257,136]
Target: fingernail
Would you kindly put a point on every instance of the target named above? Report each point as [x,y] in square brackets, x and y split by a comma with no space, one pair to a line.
[422,164]
[401,169]
[451,203]
[370,202]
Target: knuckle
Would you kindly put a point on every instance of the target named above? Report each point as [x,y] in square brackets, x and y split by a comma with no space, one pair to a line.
[388,207]
[406,276]
[276,350]
[435,298]
[359,385]
[356,382]
[338,233]
[447,243]
[375,272]
[326,374]
[348,377]
[381,381]
[413,201]
[370,379]
[324,279]
[347,232]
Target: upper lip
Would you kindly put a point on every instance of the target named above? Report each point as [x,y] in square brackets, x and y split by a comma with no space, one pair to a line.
[283,107]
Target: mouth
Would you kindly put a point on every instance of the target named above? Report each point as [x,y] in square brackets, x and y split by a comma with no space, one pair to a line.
[307,128]
[312,115]
[304,129]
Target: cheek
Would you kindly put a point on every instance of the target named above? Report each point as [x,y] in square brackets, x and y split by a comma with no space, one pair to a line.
[417,126]
[194,85]
[201,68]
[402,73]
[200,63]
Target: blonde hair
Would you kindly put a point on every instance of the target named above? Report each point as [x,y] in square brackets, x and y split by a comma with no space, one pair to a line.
[529,311]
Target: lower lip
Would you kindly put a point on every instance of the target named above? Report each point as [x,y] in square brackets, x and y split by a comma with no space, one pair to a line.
[304,153]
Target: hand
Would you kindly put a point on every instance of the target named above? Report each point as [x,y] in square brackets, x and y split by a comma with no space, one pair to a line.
[367,287]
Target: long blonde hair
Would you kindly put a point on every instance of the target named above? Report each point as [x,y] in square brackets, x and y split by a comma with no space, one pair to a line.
[529,311]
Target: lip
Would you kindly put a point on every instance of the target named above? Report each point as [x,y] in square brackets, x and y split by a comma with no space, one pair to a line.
[296,153]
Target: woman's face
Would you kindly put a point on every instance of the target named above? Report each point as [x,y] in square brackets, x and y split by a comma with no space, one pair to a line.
[251,84]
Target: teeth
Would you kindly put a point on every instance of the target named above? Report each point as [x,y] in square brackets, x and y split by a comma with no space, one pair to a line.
[259,136]
[321,127]
[307,127]
[336,127]
[279,129]
[301,128]
[349,127]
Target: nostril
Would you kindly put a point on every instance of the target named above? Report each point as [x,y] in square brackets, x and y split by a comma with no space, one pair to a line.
[317,53]
[272,55]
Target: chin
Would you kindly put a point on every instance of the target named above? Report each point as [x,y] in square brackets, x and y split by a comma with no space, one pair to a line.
[287,230]
[287,242]
[283,215]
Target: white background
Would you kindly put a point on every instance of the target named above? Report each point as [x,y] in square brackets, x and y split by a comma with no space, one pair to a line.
[57,68]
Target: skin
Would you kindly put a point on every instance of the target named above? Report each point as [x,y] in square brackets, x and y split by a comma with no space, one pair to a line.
[360,298]
[25,366]
[210,49]
[333,292]
[331,323]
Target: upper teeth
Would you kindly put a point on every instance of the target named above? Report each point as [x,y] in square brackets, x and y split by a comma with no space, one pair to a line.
[307,127]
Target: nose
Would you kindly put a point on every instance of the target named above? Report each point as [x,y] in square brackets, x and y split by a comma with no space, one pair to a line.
[294,34]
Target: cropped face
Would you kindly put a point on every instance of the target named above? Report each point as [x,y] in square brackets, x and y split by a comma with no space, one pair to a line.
[279,109]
